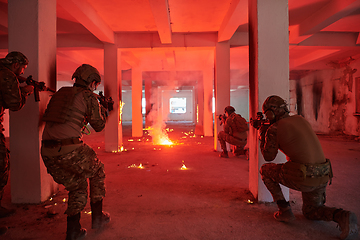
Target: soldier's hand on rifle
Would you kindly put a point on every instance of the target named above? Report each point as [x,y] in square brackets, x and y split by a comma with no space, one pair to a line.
[222,118]
[262,131]
[27,90]
[107,103]
[104,103]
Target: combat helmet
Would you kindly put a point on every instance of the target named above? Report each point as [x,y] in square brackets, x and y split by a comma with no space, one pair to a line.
[85,75]
[229,109]
[15,57]
[275,104]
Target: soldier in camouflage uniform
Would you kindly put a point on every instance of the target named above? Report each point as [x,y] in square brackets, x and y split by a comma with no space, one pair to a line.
[13,97]
[307,170]
[70,161]
[235,132]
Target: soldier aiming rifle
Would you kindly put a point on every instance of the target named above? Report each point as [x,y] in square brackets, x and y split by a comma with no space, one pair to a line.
[38,86]
[106,102]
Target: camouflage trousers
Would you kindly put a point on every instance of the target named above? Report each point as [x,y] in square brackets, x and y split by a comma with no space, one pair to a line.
[4,165]
[313,197]
[73,170]
[224,137]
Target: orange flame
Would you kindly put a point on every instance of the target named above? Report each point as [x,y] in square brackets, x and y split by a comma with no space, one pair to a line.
[160,137]
[121,105]
[136,166]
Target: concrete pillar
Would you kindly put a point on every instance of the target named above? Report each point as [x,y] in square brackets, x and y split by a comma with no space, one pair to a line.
[208,79]
[199,108]
[222,85]
[32,31]
[112,88]
[136,91]
[268,75]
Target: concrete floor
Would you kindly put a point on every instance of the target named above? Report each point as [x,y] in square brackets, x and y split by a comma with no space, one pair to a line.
[209,200]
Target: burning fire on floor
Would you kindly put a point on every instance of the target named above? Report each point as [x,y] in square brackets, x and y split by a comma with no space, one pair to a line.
[159,136]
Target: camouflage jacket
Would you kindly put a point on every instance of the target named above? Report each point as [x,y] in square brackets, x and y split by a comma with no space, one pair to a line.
[235,123]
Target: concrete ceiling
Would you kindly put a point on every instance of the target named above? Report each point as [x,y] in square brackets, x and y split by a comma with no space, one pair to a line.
[322,33]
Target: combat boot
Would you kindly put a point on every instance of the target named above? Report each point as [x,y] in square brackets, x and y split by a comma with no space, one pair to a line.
[348,224]
[74,230]
[224,154]
[98,217]
[285,213]
[239,151]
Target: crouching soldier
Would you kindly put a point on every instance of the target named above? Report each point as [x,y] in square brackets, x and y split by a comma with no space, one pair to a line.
[306,170]
[234,133]
[70,161]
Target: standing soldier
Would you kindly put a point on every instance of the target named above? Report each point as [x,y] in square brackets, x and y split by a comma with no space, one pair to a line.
[12,97]
[306,170]
[70,161]
[235,132]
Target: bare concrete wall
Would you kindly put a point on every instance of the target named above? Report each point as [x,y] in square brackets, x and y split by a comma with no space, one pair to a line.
[327,98]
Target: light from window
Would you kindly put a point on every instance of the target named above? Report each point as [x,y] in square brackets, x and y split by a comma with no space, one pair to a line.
[143,105]
[177,105]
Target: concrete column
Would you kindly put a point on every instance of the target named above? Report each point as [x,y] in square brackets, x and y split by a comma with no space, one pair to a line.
[269,75]
[208,79]
[199,107]
[136,91]
[32,31]
[112,88]
[222,85]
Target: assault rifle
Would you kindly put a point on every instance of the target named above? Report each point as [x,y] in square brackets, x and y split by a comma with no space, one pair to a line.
[259,121]
[107,103]
[222,118]
[38,86]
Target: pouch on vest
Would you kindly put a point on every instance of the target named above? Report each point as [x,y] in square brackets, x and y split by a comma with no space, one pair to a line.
[308,174]
[318,174]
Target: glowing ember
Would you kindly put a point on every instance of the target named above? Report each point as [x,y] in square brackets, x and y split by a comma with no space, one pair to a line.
[64,200]
[135,166]
[120,149]
[249,201]
[183,167]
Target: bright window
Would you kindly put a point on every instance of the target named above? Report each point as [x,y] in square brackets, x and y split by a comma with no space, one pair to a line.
[177,105]
[143,105]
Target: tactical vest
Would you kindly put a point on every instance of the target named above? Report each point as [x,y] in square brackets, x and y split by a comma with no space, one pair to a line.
[60,108]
